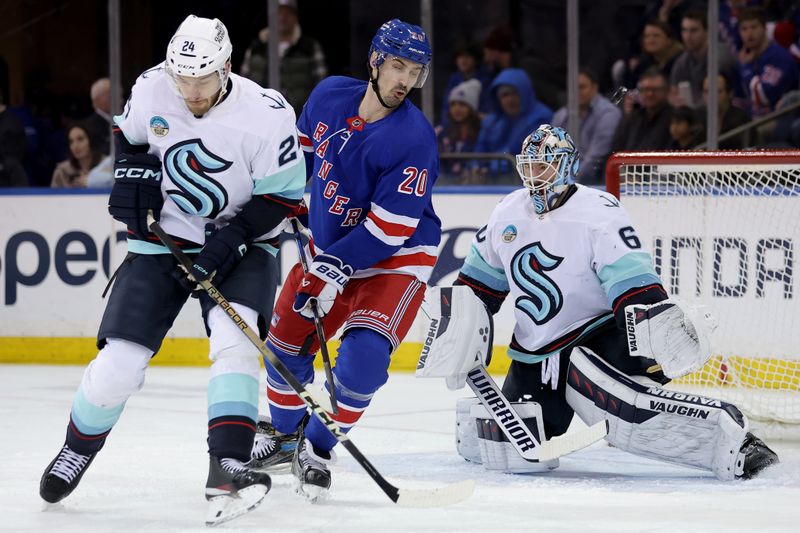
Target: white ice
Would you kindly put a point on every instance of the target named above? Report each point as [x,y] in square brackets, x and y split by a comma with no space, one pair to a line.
[151,474]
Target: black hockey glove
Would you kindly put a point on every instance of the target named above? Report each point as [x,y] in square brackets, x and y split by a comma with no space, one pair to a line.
[223,250]
[137,189]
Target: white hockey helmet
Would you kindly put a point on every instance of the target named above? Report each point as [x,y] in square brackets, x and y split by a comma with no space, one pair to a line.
[199,47]
[547,164]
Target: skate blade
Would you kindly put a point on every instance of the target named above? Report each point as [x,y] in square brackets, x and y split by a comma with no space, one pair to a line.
[222,509]
[312,493]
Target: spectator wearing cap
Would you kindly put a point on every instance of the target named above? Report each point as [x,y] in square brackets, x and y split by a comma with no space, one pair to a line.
[468,67]
[302,59]
[598,119]
[463,125]
[498,50]
[517,112]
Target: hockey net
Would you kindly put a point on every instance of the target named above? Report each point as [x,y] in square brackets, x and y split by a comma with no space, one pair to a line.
[723,228]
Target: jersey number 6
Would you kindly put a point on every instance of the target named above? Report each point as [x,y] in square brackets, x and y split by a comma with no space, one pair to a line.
[414,175]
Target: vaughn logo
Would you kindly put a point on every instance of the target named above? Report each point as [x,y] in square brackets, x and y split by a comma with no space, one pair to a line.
[630,331]
[426,348]
[683,410]
[683,397]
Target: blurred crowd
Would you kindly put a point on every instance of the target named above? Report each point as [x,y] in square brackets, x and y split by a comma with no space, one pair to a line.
[489,103]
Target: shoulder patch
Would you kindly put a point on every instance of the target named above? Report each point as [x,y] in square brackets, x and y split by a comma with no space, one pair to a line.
[509,234]
[159,126]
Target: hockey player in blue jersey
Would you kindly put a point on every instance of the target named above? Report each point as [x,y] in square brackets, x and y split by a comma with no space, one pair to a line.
[215,158]
[373,161]
[595,333]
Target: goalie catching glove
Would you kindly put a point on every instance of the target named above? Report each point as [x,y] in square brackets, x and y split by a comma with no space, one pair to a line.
[675,334]
[325,280]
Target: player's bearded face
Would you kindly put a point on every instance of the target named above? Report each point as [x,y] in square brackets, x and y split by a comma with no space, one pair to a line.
[200,94]
[397,77]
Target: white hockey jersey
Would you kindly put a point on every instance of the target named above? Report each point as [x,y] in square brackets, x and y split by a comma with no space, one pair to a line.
[563,269]
[246,145]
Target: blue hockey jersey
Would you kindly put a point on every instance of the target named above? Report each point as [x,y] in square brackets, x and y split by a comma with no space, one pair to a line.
[371,182]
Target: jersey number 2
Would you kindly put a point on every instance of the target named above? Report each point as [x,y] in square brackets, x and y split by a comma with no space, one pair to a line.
[287,152]
[413,175]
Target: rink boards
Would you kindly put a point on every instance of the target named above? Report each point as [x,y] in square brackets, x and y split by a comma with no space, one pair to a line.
[59,250]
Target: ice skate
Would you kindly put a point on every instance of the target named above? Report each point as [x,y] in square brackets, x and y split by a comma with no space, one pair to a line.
[233,489]
[63,474]
[310,468]
[757,457]
[272,452]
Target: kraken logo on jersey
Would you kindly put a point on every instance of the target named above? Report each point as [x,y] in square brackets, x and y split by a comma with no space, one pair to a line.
[528,267]
[188,164]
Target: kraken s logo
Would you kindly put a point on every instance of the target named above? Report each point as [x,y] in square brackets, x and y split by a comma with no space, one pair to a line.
[188,165]
[543,298]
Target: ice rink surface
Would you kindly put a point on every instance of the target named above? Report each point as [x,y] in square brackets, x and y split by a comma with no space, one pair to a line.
[151,474]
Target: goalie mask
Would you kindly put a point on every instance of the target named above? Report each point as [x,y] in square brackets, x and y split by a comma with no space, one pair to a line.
[197,58]
[547,165]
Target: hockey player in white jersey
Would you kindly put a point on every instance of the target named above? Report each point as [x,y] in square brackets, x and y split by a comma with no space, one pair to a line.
[215,157]
[595,333]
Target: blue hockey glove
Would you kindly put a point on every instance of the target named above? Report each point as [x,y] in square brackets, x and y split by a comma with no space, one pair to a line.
[326,278]
[136,190]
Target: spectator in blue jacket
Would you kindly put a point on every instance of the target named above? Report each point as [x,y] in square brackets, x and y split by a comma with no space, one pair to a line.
[516,113]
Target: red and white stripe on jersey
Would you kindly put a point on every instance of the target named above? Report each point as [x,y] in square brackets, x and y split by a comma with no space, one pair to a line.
[388,330]
[417,261]
[389,227]
[284,399]
[284,346]
[347,415]
[305,142]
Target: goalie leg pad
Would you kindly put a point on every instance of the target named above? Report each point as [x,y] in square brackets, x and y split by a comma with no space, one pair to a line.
[650,421]
[496,452]
[480,440]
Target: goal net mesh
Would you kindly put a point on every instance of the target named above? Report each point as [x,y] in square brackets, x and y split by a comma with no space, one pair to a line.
[722,229]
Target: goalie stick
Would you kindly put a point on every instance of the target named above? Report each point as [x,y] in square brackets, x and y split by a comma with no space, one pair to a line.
[514,428]
[323,347]
[435,497]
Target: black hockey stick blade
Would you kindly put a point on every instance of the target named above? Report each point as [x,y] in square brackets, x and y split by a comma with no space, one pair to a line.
[436,497]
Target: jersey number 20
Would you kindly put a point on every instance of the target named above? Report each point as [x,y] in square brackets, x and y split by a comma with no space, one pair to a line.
[415,183]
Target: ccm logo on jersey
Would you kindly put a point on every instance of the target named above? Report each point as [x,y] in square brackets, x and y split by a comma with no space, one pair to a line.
[143,173]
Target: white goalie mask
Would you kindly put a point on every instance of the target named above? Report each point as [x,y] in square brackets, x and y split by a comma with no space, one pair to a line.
[547,165]
[197,57]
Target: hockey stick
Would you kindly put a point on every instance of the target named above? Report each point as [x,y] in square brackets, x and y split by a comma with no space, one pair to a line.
[518,434]
[323,347]
[404,497]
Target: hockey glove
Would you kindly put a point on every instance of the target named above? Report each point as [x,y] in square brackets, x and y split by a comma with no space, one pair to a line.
[136,190]
[677,335]
[326,278]
[300,213]
[223,250]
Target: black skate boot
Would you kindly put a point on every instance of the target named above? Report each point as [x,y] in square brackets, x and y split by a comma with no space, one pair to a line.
[233,489]
[63,474]
[272,452]
[310,468]
[757,457]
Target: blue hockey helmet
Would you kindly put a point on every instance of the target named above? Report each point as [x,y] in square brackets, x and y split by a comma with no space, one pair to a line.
[547,165]
[403,40]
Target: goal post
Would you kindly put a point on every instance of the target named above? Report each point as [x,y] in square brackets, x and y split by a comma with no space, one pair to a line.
[723,229]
